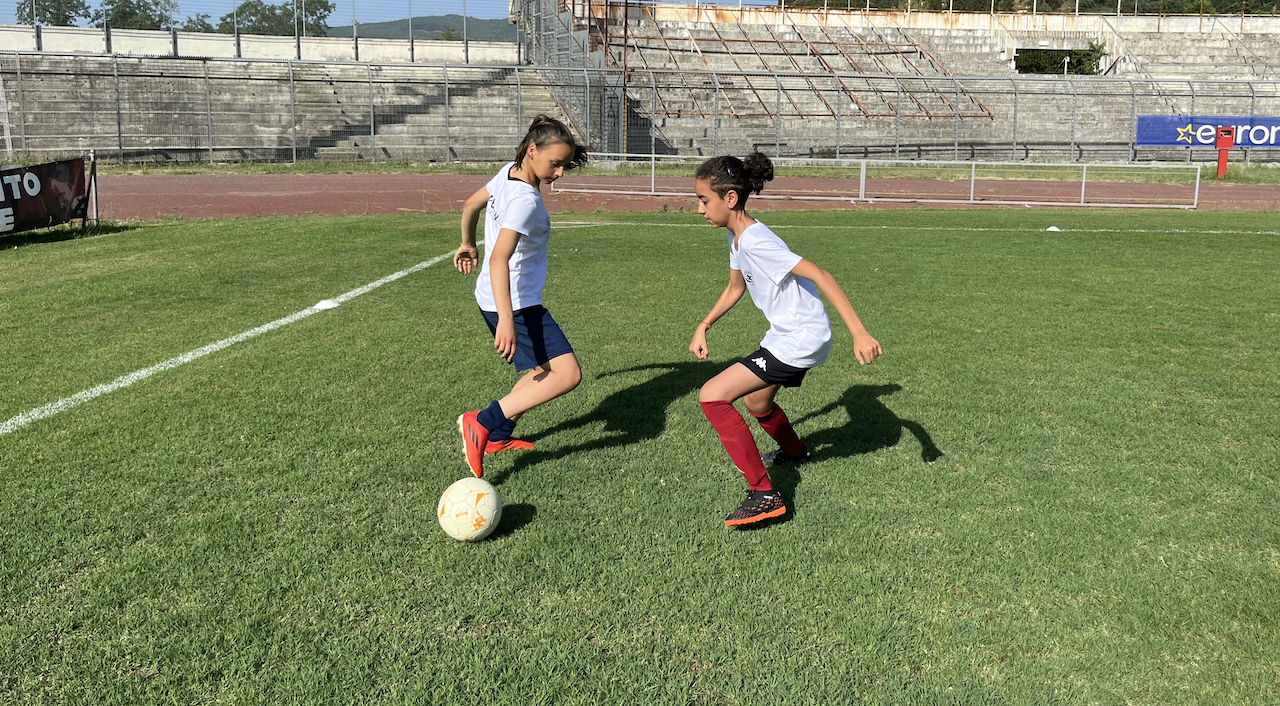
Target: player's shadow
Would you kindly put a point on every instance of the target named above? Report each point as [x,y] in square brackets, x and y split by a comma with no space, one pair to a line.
[872,426]
[60,233]
[630,415]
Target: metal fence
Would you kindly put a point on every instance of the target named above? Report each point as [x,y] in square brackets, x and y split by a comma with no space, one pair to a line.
[917,181]
[162,109]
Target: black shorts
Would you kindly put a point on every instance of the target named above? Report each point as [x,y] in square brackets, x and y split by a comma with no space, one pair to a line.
[767,367]
[538,336]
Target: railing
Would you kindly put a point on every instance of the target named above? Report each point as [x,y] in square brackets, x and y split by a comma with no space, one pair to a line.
[932,182]
[1267,70]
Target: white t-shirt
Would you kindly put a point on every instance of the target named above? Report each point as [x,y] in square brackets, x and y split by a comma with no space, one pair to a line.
[514,204]
[799,330]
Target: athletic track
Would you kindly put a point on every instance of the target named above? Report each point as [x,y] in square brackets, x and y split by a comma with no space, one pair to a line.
[142,197]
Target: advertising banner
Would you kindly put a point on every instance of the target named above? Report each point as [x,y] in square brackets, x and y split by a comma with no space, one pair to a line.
[1200,131]
[42,195]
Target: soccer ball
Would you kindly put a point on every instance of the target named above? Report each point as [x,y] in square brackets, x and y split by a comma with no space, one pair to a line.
[469,510]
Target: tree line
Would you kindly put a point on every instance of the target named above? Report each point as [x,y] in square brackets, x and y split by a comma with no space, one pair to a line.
[249,17]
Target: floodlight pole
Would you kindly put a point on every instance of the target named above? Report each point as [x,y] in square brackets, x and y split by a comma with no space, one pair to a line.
[410,31]
[466,50]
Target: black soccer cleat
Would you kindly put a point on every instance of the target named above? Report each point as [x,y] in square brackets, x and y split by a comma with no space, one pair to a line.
[778,457]
[760,505]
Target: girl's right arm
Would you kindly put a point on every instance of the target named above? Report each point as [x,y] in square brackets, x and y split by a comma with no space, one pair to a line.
[504,339]
[731,295]
[467,255]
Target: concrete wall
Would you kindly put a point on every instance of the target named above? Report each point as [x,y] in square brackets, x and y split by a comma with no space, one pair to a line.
[137,109]
[79,40]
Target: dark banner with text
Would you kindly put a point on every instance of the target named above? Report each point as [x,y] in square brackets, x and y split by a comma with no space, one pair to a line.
[42,195]
[1201,131]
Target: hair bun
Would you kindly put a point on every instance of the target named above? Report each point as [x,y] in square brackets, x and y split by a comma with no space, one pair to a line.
[542,119]
[759,170]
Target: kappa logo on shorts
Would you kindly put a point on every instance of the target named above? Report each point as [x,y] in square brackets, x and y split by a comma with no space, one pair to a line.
[761,362]
[747,277]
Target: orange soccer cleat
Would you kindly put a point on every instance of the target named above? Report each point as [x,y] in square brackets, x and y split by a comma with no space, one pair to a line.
[759,506]
[494,447]
[475,439]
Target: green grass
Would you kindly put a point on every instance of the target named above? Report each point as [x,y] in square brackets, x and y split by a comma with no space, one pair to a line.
[257,526]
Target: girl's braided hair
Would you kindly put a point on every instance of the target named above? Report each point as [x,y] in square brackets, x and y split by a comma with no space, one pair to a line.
[545,130]
[745,176]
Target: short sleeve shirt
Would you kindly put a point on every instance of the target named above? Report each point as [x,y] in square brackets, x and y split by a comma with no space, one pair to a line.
[516,205]
[799,329]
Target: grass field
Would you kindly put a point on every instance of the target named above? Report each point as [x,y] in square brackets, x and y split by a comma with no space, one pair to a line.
[1058,486]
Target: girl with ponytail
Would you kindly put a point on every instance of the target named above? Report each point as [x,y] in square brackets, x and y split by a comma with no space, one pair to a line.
[517,229]
[785,287]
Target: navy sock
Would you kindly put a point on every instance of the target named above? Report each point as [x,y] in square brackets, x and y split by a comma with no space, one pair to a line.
[492,418]
[504,430]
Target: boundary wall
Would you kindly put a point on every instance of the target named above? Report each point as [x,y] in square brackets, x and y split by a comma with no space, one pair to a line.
[131,42]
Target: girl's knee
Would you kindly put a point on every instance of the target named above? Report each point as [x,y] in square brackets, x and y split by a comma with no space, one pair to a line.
[573,377]
[569,372]
[710,393]
[756,408]
[758,404]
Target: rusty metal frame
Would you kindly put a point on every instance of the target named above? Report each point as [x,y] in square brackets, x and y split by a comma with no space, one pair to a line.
[818,49]
[672,56]
[822,58]
[763,63]
[795,63]
[735,63]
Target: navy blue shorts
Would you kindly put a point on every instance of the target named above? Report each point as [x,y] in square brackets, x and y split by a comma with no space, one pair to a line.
[538,336]
[768,368]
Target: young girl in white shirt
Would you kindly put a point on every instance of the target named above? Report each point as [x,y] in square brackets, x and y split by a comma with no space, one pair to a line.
[517,229]
[785,287]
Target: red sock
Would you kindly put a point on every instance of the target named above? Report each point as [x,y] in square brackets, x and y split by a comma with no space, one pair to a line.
[776,424]
[738,441]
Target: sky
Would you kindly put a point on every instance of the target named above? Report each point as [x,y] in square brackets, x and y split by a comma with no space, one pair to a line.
[365,10]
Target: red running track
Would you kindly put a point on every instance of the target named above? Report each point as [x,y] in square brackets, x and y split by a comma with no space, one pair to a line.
[132,197]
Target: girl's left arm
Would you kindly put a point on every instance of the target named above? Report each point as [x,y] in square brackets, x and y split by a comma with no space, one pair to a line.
[866,347]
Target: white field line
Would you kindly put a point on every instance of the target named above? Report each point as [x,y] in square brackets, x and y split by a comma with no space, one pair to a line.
[79,398]
[1159,231]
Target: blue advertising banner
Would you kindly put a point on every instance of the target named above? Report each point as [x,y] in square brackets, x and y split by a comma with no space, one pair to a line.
[1200,131]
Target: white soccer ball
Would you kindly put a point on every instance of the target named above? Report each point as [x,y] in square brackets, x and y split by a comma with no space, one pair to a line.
[469,510]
